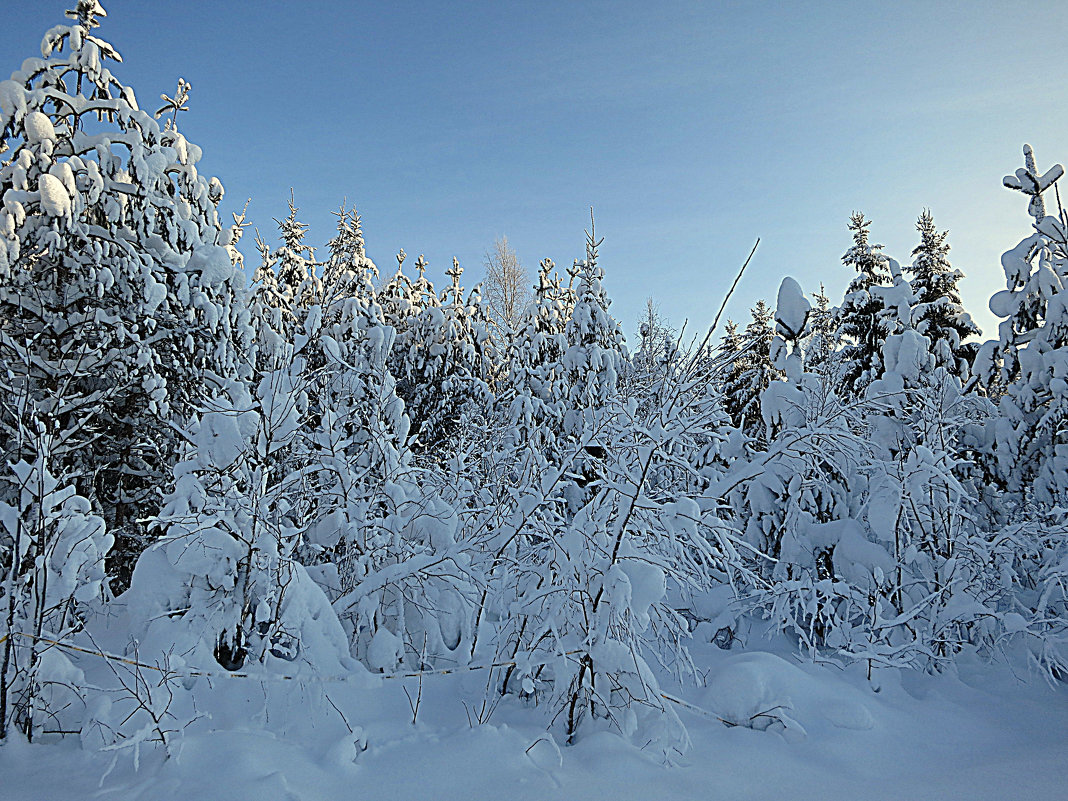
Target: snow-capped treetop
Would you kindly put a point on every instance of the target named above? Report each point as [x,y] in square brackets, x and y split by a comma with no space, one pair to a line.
[87,12]
[594,359]
[791,309]
[294,262]
[1027,180]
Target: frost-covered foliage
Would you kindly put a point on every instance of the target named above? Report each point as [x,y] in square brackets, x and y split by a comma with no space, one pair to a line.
[937,312]
[751,372]
[116,290]
[1031,451]
[343,478]
[860,321]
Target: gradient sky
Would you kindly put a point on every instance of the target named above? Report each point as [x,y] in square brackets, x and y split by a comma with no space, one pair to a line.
[691,128]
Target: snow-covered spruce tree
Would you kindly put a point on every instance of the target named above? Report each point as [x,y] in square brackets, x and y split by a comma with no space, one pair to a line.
[724,362]
[859,318]
[284,288]
[820,344]
[751,373]
[407,306]
[400,303]
[530,393]
[593,362]
[938,313]
[1030,444]
[112,272]
[294,262]
[349,274]
[797,503]
[443,367]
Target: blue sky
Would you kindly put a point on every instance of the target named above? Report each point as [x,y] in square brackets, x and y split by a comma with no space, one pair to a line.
[691,128]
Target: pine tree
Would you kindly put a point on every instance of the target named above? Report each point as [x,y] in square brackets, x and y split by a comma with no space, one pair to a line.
[115,285]
[820,344]
[595,356]
[859,319]
[531,393]
[751,373]
[1030,444]
[938,313]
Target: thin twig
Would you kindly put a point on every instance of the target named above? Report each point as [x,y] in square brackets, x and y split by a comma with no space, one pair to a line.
[730,292]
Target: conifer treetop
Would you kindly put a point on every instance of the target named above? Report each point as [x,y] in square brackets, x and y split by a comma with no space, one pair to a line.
[86,13]
[1028,180]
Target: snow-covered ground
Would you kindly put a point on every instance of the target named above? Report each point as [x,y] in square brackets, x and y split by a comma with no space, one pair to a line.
[984,732]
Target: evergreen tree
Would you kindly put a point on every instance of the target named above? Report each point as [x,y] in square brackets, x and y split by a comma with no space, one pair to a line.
[938,313]
[1030,442]
[116,289]
[593,362]
[531,394]
[294,262]
[820,345]
[860,324]
[751,372]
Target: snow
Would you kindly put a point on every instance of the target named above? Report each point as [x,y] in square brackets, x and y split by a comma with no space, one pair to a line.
[977,734]
[800,544]
[791,308]
[39,128]
[12,101]
[213,263]
[55,201]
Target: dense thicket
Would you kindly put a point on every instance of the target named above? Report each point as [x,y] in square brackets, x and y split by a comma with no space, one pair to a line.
[316,469]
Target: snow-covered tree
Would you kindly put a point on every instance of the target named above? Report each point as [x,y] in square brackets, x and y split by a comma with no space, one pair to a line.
[115,284]
[52,550]
[751,372]
[1030,445]
[860,325]
[938,313]
[821,343]
[594,362]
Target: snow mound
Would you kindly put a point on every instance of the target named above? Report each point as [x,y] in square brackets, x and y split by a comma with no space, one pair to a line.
[763,691]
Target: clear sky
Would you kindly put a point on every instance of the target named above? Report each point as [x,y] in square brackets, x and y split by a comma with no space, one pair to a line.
[691,128]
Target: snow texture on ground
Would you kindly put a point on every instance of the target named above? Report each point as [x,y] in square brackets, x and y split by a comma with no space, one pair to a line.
[813,732]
